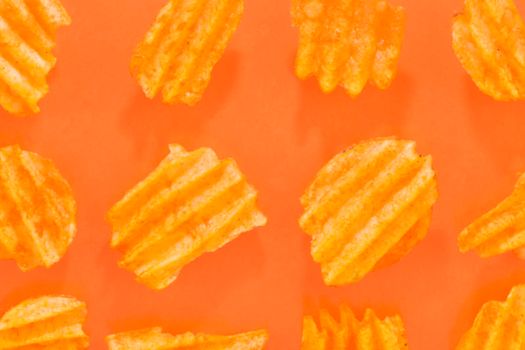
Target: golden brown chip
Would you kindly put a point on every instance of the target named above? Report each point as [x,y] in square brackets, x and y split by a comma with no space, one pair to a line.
[500,230]
[368,207]
[191,204]
[489,41]
[348,333]
[348,43]
[156,339]
[27,37]
[180,50]
[498,325]
[49,322]
[37,210]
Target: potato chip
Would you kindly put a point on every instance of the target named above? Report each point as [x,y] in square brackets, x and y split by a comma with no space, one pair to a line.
[27,37]
[489,41]
[156,339]
[348,43]
[498,325]
[191,204]
[37,210]
[500,230]
[49,322]
[348,333]
[180,50]
[368,207]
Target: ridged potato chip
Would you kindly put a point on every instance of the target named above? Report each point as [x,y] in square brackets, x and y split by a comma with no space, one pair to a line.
[179,52]
[156,339]
[368,207]
[500,230]
[349,333]
[49,322]
[191,204]
[37,210]
[489,41]
[348,43]
[27,37]
[498,325]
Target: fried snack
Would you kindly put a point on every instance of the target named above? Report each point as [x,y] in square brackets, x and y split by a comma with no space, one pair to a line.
[500,230]
[348,333]
[191,204]
[49,322]
[37,210]
[156,339]
[180,50]
[368,207]
[348,43]
[498,325]
[27,37]
[489,41]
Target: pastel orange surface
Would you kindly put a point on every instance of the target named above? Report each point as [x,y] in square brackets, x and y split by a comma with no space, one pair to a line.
[371,333]
[37,210]
[156,339]
[500,230]
[489,40]
[48,322]
[498,325]
[104,136]
[177,55]
[348,43]
[27,37]
[191,204]
[368,207]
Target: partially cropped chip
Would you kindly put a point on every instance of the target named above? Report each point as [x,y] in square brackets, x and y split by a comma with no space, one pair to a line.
[49,322]
[37,210]
[500,230]
[348,43]
[156,339]
[498,325]
[27,37]
[371,333]
[368,207]
[178,54]
[191,204]
[489,41]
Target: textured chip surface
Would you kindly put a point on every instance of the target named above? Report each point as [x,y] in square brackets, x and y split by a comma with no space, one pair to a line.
[371,333]
[27,37]
[177,55]
[37,210]
[156,339]
[489,41]
[348,43]
[192,203]
[498,325]
[500,230]
[368,207]
[48,322]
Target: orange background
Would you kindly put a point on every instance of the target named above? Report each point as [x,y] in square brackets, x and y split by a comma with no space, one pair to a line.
[105,135]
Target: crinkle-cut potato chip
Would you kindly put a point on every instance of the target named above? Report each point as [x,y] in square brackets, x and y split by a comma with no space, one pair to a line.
[348,43]
[368,207]
[499,325]
[500,230]
[48,322]
[371,333]
[156,339]
[191,204]
[489,41]
[27,37]
[178,53]
[37,210]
